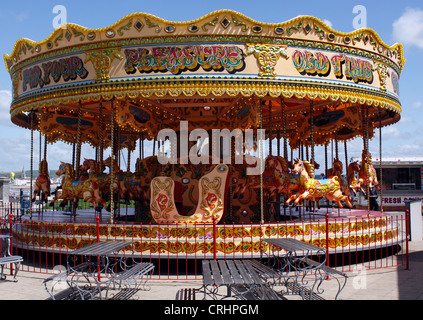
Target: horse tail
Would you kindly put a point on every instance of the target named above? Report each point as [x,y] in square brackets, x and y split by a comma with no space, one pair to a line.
[335,179]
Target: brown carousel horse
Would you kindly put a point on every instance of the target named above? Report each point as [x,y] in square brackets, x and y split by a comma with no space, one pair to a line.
[353,177]
[91,168]
[314,189]
[337,171]
[117,177]
[42,184]
[367,171]
[276,179]
[132,186]
[74,190]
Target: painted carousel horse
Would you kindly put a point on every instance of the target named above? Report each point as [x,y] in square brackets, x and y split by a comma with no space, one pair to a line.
[73,190]
[353,177]
[91,167]
[367,170]
[117,175]
[314,188]
[42,184]
[132,186]
[211,205]
[147,169]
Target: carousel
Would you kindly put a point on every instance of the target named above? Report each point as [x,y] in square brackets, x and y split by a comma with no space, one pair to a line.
[207,93]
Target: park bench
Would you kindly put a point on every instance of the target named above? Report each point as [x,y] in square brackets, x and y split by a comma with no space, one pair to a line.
[130,280]
[186,294]
[66,285]
[16,260]
[79,282]
[321,273]
[7,258]
[246,280]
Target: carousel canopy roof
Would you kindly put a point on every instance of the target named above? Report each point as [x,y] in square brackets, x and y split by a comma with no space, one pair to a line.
[214,72]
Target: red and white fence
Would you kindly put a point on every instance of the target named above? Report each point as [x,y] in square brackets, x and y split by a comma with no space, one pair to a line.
[177,250]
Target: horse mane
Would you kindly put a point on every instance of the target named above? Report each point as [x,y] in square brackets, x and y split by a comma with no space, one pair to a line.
[283,163]
[280,160]
[43,167]
[310,168]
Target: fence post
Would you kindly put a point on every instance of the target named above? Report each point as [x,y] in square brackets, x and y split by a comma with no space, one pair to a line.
[327,241]
[97,218]
[11,240]
[214,238]
[407,235]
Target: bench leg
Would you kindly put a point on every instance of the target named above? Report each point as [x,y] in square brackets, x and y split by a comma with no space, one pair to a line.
[340,288]
[17,266]
[2,276]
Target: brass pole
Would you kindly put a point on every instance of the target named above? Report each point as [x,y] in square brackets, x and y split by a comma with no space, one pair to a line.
[380,160]
[285,139]
[78,142]
[112,155]
[32,161]
[261,164]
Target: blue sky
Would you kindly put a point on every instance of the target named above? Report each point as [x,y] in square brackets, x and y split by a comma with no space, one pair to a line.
[394,21]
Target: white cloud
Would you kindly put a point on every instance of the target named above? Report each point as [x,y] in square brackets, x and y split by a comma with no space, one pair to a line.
[405,120]
[328,23]
[21,17]
[410,148]
[408,29]
[5,101]
[390,132]
[417,104]
[14,153]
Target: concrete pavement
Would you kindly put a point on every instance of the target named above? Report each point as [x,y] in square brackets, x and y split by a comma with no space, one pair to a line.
[393,283]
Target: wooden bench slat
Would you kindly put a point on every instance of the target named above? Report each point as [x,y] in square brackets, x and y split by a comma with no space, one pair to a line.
[10,259]
[186,294]
[236,277]
[225,272]
[207,275]
[125,294]
[251,272]
[245,275]
[135,271]
[217,277]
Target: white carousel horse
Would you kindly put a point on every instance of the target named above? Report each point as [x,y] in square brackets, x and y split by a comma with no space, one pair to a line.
[211,205]
[313,188]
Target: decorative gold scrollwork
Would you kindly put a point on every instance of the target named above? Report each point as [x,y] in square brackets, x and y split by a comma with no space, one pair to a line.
[102,60]
[383,72]
[267,57]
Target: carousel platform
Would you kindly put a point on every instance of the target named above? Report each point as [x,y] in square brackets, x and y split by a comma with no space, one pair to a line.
[291,215]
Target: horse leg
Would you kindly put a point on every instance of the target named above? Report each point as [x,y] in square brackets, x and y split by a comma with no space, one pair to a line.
[348,201]
[301,197]
[291,198]
[34,195]
[241,191]
[336,199]
[235,192]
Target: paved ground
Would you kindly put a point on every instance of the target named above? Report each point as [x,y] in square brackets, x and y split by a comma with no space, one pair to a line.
[395,283]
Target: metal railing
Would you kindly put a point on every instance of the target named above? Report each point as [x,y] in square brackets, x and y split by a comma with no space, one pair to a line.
[177,250]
